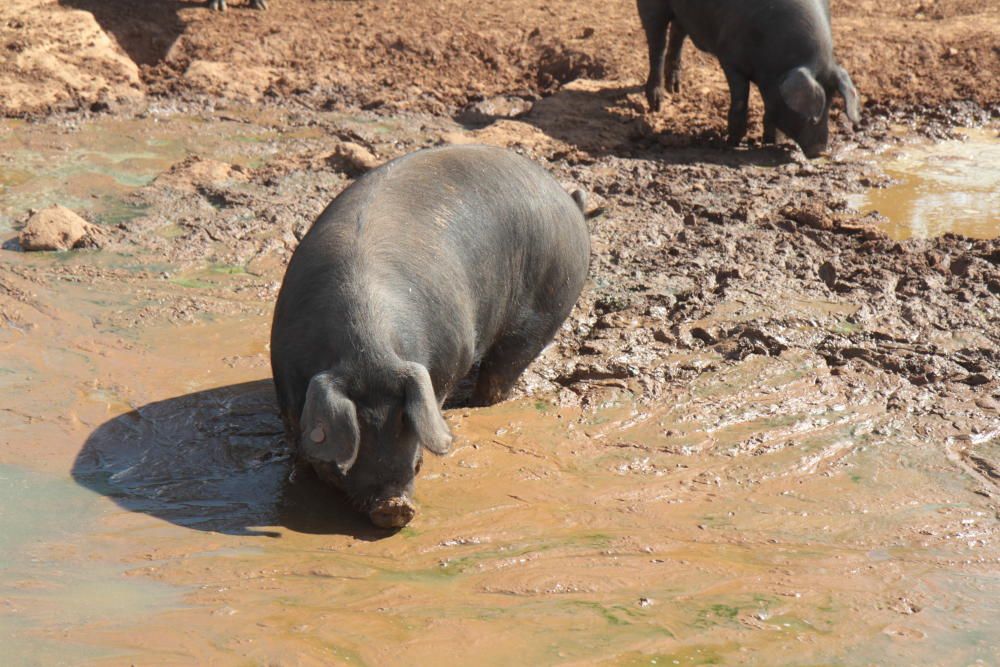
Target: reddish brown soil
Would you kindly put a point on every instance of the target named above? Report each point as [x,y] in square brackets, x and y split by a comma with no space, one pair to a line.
[699,220]
[438,56]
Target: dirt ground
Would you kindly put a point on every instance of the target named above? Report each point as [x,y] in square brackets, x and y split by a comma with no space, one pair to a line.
[439,56]
[746,340]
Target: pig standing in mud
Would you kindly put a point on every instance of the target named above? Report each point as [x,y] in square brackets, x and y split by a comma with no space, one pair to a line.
[784,46]
[431,263]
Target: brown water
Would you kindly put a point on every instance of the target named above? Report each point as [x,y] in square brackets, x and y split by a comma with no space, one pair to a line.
[90,166]
[947,186]
[766,513]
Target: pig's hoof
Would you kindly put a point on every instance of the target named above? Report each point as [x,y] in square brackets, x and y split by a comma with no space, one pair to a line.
[217,5]
[258,4]
[674,82]
[654,95]
[392,513]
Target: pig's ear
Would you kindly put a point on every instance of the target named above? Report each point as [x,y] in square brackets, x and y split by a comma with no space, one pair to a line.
[850,93]
[802,93]
[329,424]
[422,410]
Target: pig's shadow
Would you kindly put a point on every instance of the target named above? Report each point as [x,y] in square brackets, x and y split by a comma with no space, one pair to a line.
[601,118]
[144,30]
[213,460]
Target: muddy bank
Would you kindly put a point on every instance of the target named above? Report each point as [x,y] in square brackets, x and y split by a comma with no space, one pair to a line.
[686,232]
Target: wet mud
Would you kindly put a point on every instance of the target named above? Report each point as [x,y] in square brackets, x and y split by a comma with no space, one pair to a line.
[768,434]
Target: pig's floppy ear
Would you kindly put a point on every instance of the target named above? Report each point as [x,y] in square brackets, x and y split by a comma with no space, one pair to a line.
[850,93]
[329,424]
[802,93]
[422,410]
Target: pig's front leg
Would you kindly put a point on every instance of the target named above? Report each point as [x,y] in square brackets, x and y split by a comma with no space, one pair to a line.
[739,96]
[674,46]
[655,18]
[770,129]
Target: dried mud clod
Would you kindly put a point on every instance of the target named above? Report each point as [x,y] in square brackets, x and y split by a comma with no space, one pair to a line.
[352,159]
[58,228]
[195,173]
[558,65]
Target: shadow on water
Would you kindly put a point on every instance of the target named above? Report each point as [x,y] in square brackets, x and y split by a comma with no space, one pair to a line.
[213,460]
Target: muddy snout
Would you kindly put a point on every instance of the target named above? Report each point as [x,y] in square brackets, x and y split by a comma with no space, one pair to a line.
[814,151]
[394,512]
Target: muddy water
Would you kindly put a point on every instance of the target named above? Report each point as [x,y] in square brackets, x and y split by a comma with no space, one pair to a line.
[948,186]
[767,512]
[91,166]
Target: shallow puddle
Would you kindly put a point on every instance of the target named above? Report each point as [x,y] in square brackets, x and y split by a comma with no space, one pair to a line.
[91,166]
[50,579]
[948,186]
[758,516]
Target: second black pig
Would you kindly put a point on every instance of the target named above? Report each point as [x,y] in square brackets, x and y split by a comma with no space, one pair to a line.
[784,46]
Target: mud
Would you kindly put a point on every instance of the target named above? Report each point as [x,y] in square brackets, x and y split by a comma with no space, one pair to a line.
[768,434]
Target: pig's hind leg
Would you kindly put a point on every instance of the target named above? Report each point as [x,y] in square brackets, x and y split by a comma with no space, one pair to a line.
[739,97]
[674,46]
[655,18]
[504,362]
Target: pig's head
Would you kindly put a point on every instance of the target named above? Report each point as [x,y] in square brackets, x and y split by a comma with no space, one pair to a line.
[799,105]
[369,441]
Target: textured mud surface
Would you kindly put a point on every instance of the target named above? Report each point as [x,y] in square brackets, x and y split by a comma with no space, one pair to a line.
[768,434]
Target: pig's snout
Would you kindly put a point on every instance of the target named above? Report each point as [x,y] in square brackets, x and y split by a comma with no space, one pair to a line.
[394,512]
[814,151]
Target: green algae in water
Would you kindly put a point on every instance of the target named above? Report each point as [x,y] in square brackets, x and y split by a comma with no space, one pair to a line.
[454,567]
[717,614]
[171,231]
[93,168]
[226,269]
[691,656]
[13,177]
[114,211]
[192,283]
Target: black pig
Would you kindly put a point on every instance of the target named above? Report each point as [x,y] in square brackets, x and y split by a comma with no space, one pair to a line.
[784,46]
[432,262]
